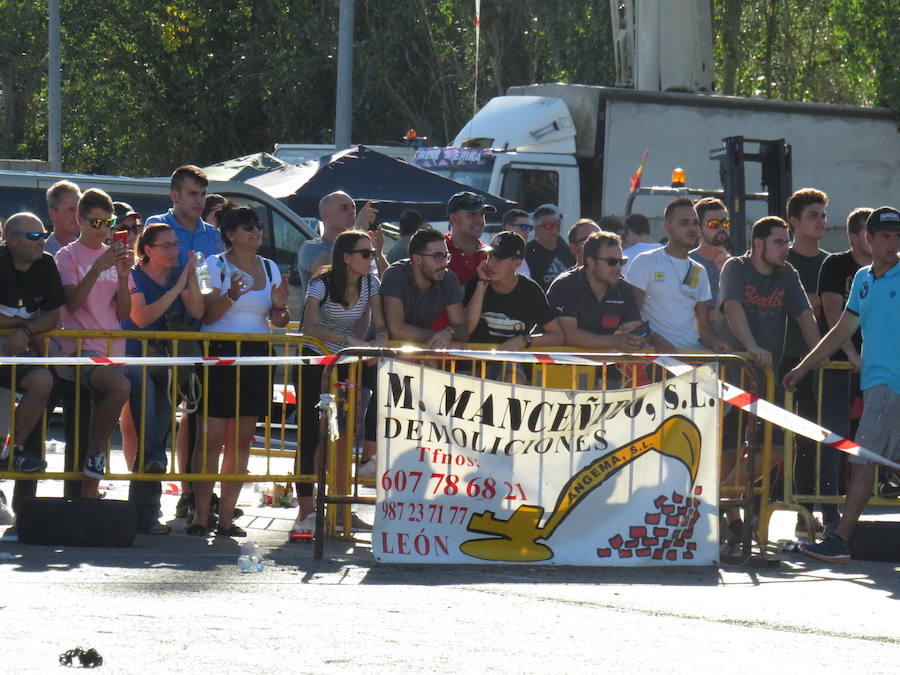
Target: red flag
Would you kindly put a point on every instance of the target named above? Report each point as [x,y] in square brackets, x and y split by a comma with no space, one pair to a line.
[636,178]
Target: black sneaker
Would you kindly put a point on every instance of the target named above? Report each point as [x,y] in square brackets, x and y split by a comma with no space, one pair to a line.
[183,505]
[831,549]
[28,464]
[95,466]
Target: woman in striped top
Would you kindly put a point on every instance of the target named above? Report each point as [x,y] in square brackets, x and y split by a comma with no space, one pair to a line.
[343,308]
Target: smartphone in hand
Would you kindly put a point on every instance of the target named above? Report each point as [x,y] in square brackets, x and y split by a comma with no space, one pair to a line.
[120,237]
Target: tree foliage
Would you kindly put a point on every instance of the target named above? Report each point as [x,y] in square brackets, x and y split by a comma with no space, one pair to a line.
[153,84]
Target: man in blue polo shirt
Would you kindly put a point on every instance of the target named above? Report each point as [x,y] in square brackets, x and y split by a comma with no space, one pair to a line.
[187,190]
[874,307]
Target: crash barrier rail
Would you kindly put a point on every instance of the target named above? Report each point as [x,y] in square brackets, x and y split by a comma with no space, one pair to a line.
[842,394]
[554,368]
[276,440]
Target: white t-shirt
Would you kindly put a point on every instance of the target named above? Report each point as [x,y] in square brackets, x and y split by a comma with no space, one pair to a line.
[250,313]
[635,250]
[673,287]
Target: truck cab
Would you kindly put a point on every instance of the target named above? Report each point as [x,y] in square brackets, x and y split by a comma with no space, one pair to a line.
[518,147]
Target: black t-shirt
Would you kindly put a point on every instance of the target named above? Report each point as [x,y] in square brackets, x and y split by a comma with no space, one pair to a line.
[571,295]
[36,289]
[546,265]
[836,276]
[506,315]
[807,267]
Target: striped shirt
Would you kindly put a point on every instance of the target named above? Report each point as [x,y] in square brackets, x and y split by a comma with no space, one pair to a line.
[335,316]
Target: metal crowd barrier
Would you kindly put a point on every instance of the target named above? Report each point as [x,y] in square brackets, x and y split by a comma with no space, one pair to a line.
[803,502]
[342,490]
[276,439]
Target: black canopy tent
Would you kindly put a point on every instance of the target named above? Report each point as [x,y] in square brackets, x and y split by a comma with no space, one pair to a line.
[366,175]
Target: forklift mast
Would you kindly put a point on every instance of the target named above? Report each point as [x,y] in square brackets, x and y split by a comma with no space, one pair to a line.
[774,157]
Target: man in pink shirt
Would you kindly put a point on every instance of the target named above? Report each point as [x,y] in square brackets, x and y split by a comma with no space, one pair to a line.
[95,283]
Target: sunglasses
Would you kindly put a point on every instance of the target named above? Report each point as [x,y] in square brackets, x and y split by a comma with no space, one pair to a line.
[366,253]
[612,261]
[249,227]
[97,223]
[32,236]
[715,224]
[550,226]
[133,228]
[527,227]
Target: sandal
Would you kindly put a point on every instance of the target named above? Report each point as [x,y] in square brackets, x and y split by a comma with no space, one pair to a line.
[196,530]
[233,531]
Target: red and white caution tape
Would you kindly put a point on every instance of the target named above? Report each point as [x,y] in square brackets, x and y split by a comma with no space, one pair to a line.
[725,391]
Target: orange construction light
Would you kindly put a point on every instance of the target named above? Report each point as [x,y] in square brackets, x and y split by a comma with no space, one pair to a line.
[678,178]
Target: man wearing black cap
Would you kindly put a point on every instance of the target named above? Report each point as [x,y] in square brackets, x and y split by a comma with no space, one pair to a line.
[548,255]
[465,211]
[873,306]
[503,307]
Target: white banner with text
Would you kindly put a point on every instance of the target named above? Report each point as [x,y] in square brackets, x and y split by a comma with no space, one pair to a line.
[472,470]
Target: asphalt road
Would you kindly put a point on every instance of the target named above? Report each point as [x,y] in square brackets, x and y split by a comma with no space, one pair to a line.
[176,604]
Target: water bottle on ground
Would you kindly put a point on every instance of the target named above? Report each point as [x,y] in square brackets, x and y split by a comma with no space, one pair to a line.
[203,278]
[250,559]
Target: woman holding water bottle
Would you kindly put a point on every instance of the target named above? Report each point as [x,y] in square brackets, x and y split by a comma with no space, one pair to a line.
[249,291]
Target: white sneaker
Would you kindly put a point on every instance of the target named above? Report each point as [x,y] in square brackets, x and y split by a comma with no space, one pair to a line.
[366,469]
[303,530]
[6,516]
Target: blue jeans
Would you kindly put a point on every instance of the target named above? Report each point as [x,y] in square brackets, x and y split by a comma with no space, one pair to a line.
[157,420]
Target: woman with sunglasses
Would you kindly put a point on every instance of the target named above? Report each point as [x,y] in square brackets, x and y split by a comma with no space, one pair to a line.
[160,290]
[341,303]
[249,292]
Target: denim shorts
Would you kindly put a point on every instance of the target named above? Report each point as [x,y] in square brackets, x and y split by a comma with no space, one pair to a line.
[878,429]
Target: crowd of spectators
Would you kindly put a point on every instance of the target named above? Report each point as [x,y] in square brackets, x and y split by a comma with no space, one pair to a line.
[604,287]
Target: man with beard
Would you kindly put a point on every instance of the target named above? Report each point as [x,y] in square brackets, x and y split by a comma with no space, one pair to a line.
[672,289]
[418,291]
[758,290]
[711,253]
[756,293]
[465,212]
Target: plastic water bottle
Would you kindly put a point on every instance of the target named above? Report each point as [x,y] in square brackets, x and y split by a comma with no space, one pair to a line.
[203,277]
[244,280]
[250,559]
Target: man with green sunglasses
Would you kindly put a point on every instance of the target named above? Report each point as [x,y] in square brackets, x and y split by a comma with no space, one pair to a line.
[95,282]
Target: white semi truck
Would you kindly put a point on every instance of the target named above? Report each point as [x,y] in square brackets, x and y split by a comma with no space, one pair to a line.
[578,146]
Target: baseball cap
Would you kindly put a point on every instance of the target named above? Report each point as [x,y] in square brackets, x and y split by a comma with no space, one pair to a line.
[506,245]
[123,210]
[548,210]
[468,201]
[883,218]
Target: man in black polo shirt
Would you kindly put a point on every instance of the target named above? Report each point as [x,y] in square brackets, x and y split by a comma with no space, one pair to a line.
[596,307]
[30,297]
[422,298]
